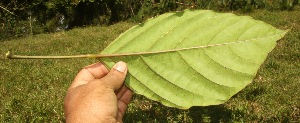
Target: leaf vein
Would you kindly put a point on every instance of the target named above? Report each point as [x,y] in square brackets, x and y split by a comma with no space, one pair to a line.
[180,49]
[144,31]
[143,59]
[203,77]
[223,29]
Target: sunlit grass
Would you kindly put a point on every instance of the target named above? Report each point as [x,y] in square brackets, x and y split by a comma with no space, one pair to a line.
[33,90]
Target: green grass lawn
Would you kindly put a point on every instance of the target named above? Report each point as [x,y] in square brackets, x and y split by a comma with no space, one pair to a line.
[33,90]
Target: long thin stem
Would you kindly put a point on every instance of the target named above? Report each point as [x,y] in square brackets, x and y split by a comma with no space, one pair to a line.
[9,55]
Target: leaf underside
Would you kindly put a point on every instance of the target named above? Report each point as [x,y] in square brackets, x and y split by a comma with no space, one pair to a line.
[193,58]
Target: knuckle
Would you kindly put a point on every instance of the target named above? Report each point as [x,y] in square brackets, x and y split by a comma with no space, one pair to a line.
[115,76]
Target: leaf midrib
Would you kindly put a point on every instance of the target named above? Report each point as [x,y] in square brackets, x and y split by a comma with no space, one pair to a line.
[181,49]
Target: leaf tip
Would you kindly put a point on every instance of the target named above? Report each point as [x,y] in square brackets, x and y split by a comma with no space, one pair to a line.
[287,30]
[284,32]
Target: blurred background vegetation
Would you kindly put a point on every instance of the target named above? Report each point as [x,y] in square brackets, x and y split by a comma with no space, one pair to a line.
[19,18]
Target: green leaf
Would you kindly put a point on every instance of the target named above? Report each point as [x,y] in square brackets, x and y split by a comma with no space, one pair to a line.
[193,58]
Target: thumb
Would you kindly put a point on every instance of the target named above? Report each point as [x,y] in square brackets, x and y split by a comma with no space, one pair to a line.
[115,78]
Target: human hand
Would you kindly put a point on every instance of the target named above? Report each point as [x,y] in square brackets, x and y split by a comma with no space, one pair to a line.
[98,95]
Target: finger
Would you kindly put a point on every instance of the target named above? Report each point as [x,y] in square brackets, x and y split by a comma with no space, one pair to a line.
[126,97]
[123,103]
[88,73]
[115,78]
[120,92]
[98,70]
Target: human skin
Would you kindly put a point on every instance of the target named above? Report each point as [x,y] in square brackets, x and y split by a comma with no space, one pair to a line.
[98,95]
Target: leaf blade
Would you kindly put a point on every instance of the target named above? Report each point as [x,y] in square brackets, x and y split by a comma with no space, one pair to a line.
[193,58]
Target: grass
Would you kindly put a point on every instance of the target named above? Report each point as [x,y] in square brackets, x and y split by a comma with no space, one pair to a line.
[33,90]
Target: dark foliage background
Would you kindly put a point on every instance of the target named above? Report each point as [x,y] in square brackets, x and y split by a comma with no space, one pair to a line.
[26,17]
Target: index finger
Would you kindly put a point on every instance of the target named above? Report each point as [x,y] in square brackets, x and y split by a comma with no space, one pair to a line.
[89,73]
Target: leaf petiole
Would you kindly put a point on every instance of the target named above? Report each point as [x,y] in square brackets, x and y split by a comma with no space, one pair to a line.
[9,55]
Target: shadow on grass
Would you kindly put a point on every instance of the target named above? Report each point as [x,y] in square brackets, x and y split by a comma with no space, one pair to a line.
[212,114]
[161,114]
